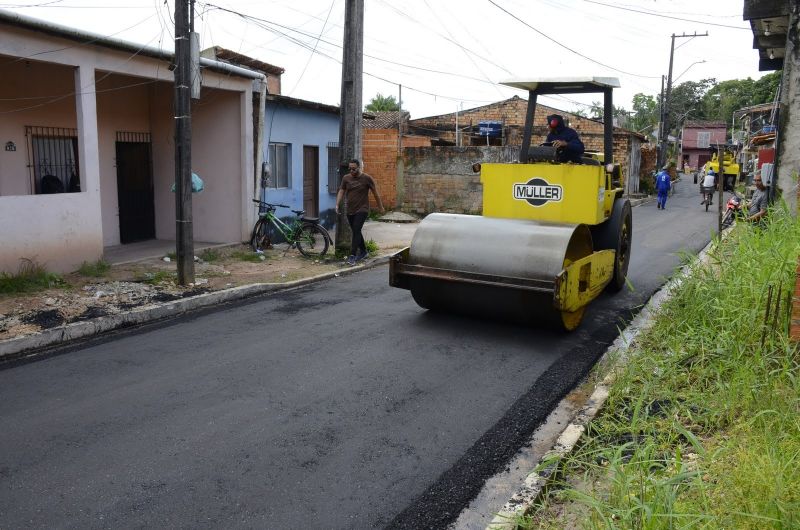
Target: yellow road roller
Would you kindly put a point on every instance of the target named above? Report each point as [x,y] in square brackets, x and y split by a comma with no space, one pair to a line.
[551,238]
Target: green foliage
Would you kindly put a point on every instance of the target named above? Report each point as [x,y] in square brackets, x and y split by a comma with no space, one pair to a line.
[210,255]
[619,113]
[382,103]
[700,427]
[30,277]
[157,277]
[372,247]
[97,269]
[645,113]
[252,257]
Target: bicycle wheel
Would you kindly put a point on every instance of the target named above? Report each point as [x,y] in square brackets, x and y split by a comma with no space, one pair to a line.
[311,241]
[259,239]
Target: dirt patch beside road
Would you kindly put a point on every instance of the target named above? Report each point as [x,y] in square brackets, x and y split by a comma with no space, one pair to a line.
[150,282]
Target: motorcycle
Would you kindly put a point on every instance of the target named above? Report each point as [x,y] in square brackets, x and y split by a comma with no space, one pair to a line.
[732,208]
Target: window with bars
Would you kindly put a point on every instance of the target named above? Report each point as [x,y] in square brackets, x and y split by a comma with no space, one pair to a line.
[334,176]
[53,159]
[704,139]
[280,156]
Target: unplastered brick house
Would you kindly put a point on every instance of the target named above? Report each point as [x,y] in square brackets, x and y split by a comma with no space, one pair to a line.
[439,178]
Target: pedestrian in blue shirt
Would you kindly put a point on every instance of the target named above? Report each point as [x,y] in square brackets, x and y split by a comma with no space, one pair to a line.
[662,186]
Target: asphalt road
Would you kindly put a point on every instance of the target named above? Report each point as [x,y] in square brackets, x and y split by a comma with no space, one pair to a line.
[338,405]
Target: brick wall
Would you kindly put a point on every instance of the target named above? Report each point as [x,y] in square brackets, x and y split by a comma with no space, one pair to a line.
[379,154]
[512,113]
[440,179]
[794,328]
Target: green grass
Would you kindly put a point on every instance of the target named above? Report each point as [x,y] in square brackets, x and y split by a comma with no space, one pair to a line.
[155,278]
[701,426]
[95,270]
[210,255]
[30,277]
[372,247]
[252,257]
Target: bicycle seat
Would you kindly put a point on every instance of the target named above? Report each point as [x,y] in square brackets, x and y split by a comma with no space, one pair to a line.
[299,212]
[310,219]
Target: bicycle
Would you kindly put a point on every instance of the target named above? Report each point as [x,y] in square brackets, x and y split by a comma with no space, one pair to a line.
[305,233]
[708,195]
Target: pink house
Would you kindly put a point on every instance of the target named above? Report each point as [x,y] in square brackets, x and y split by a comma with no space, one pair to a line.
[88,161]
[697,138]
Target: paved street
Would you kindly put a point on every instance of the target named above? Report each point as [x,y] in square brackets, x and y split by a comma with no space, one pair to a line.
[337,405]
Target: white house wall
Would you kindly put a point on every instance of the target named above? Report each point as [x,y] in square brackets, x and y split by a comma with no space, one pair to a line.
[123,104]
[62,230]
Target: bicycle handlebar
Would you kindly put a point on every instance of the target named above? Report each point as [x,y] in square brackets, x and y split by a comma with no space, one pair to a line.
[270,205]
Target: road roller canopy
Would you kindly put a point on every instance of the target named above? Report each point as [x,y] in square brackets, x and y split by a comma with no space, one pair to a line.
[563,85]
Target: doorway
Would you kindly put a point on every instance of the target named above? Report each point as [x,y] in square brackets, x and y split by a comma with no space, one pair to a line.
[311,180]
[135,187]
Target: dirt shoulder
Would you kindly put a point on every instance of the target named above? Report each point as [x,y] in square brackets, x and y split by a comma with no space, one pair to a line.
[151,282]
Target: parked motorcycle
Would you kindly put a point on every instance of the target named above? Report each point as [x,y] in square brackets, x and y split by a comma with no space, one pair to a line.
[732,208]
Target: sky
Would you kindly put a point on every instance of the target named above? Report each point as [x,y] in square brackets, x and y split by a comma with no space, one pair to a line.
[447,55]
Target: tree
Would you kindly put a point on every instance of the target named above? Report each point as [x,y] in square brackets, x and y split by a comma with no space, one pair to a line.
[685,101]
[645,113]
[382,103]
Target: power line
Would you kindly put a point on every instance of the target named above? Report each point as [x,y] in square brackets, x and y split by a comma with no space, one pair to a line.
[515,17]
[316,42]
[664,16]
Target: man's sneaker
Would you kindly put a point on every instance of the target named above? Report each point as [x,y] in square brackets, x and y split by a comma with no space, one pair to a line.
[351,260]
[361,257]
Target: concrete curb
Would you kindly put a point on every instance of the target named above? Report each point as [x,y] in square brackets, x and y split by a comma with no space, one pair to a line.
[536,483]
[31,344]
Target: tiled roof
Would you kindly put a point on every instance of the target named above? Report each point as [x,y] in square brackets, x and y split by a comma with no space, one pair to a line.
[385,119]
[231,57]
[708,124]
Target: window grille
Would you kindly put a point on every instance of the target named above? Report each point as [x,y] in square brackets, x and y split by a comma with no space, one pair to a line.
[53,165]
[279,158]
[334,177]
[704,139]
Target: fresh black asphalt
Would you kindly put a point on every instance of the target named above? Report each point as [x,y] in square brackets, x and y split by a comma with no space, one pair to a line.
[337,405]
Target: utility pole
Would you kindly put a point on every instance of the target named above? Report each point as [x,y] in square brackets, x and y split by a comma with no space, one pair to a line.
[350,109]
[184,238]
[662,152]
[721,171]
[400,120]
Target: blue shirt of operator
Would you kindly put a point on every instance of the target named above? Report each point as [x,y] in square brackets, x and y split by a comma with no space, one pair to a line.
[562,136]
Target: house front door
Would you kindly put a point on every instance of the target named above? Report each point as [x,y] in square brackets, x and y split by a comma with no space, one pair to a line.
[311,180]
[135,187]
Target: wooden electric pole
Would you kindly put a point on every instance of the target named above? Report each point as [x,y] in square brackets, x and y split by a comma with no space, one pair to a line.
[184,239]
[350,110]
[662,151]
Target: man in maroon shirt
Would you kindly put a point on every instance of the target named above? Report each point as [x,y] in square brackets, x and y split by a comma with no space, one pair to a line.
[356,187]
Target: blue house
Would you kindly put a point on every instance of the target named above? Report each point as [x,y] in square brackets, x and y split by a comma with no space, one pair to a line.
[302,152]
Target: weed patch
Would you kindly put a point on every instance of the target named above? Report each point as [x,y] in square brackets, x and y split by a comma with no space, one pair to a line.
[30,277]
[700,427]
[95,270]
[252,257]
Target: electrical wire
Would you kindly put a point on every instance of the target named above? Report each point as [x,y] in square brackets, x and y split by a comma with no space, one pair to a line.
[665,16]
[515,17]
[316,43]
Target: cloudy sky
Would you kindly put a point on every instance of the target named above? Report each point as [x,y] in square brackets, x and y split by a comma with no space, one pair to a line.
[446,54]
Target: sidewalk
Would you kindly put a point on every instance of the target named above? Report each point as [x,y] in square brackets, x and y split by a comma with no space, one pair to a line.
[139,287]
